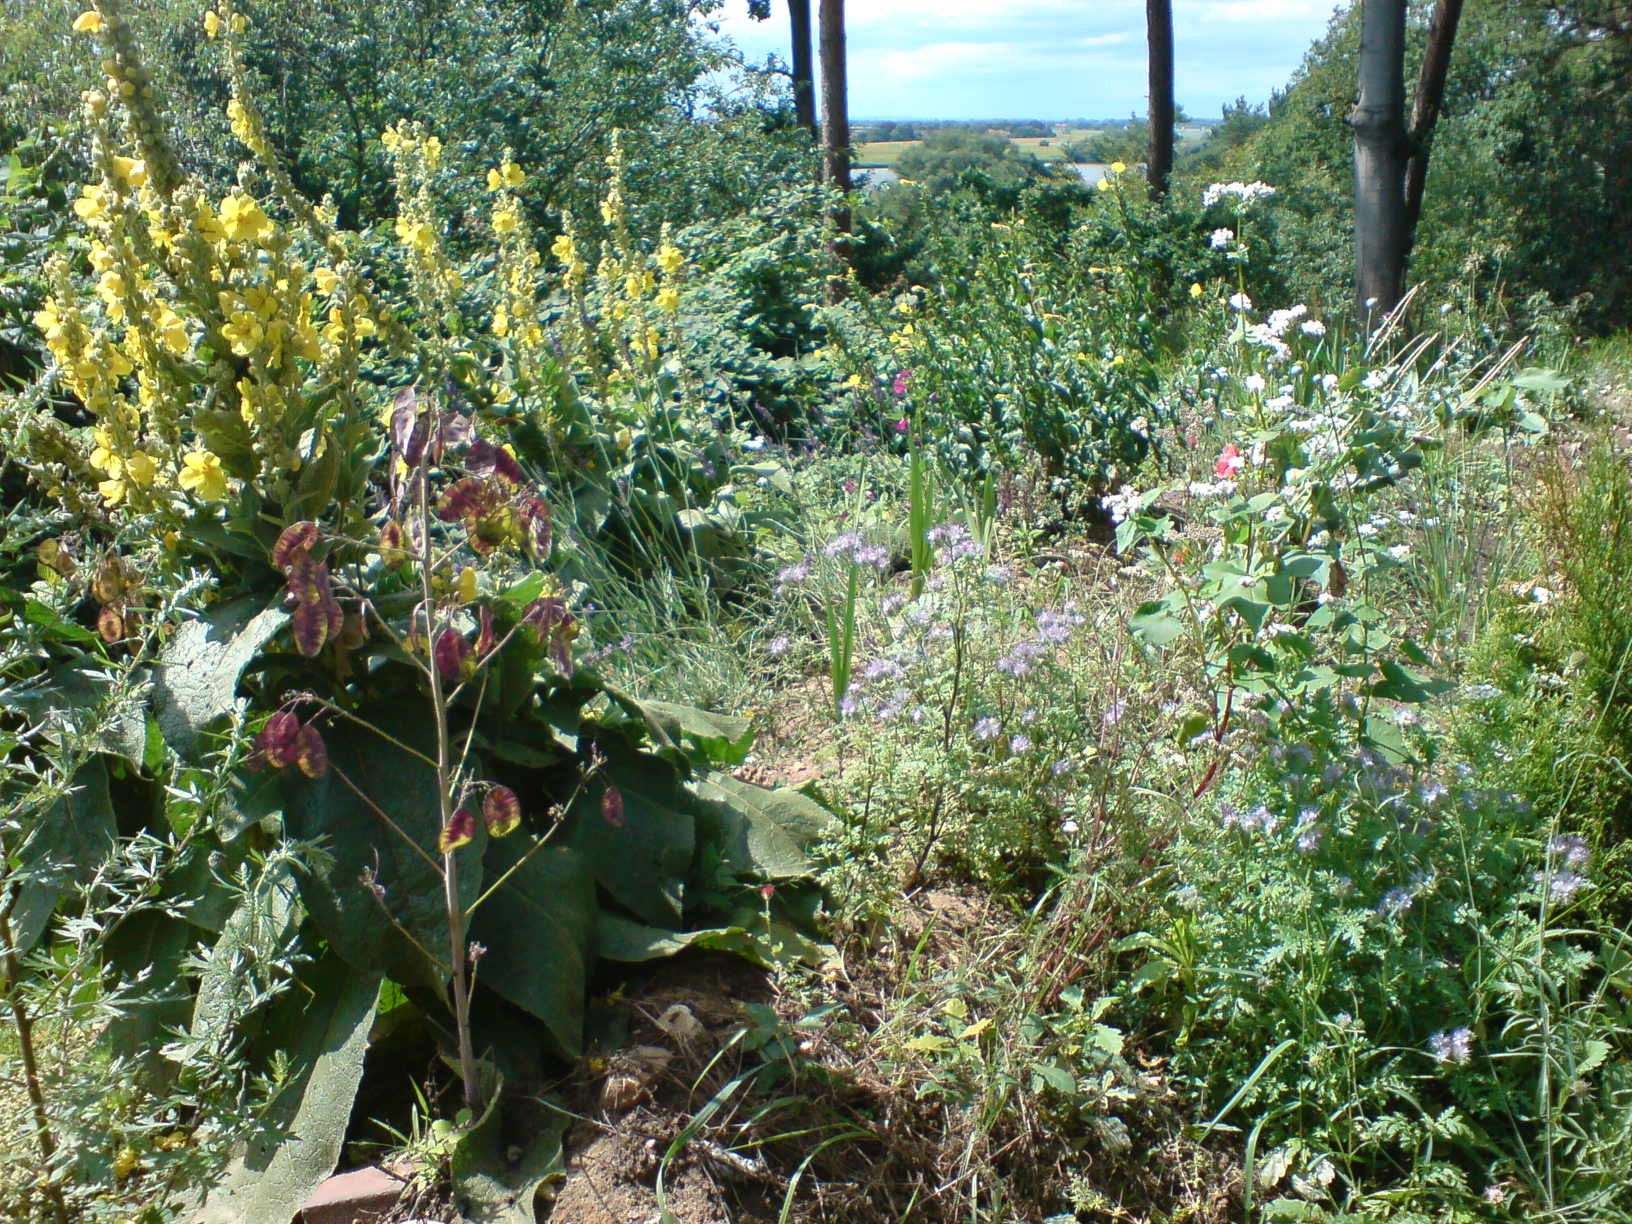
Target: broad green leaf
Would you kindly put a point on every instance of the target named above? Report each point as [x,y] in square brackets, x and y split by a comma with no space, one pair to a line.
[539,931]
[762,831]
[721,738]
[322,1024]
[357,839]
[253,934]
[1155,624]
[196,681]
[66,843]
[643,861]
[492,1187]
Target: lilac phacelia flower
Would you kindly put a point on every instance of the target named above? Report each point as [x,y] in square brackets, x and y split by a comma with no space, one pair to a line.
[1452,1045]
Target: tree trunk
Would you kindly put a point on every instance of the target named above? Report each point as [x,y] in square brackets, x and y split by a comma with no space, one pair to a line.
[1436,61]
[1381,151]
[804,68]
[1159,35]
[835,134]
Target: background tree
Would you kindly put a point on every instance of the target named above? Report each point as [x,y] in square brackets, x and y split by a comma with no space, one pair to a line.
[835,132]
[803,62]
[1381,153]
[1159,35]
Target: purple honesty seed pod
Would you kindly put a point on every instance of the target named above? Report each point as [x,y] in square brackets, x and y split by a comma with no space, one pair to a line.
[449,654]
[311,755]
[461,831]
[612,807]
[278,738]
[294,542]
[501,810]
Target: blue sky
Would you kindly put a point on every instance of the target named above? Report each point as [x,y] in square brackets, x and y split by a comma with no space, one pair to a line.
[1047,59]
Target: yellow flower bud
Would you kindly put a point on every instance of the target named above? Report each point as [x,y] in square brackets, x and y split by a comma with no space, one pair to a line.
[467,585]
[88,22]
[212,23]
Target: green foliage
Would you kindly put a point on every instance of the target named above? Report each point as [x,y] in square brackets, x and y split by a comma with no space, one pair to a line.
[1526,177]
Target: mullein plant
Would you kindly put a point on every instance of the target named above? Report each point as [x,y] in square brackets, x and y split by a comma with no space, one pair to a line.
[225,352]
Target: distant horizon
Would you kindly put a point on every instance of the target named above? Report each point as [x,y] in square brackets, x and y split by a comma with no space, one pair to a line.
[1083,120]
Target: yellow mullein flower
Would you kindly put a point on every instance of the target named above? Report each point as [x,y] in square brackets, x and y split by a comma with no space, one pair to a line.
[139,467]
[564,248]
[240,23]
[202,474]
[242,219]
[1119,167]
[103,458]
[505,220]
[88,22]
[415,234]
[113,491]
[328,280]
[1195,289]
[239,118]
[669,258]
[132,170]
[501,322]
[172,331]
[668,300]
[244,333]
[212,24]
[92,204]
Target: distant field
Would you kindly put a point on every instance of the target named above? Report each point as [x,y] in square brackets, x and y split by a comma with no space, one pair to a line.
[1049,148]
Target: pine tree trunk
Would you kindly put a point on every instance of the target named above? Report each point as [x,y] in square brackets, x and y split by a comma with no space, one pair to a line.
[1159,34]
[804,67]
[1381,151]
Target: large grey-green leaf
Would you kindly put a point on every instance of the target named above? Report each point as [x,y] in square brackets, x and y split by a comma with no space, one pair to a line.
[492,1188]
[762,831]
[642,861]
[357,839]
[196,681]
[236,967]
[539,932]
[721,738]
[323,1025]
[68,842]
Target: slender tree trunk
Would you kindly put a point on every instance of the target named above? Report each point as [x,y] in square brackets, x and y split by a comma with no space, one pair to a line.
[1436,61]
[1159,34]
[804,67]
[1381,151]
[835,132]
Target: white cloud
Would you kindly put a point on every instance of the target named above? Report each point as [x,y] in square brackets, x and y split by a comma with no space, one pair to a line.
[1304,11]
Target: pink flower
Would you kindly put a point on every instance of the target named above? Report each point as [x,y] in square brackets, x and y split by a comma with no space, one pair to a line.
[1229,463]
[901,425]
[902,381]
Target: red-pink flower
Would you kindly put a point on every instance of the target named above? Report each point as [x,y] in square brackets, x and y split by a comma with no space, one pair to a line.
[1230,462]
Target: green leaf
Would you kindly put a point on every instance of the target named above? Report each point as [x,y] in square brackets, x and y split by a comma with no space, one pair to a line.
[66,843]
[1056,1077]
[1153,623]
[720,738]
[196,681]
[356,839]
[322,1026]
[252,936]
[492,1187]
[762,831]
[539,932]
[643,862]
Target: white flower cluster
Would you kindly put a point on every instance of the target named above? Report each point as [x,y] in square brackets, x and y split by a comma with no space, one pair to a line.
[1122,503]
[1247,193]
[1269,333]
